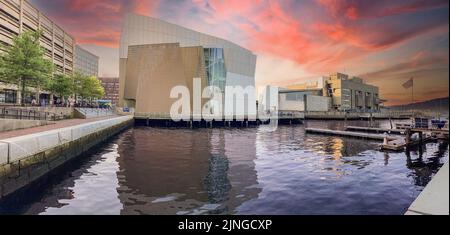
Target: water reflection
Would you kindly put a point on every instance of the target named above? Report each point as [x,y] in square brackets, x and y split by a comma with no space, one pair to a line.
[196,172]
[238,171]
[81,188]
[424,166]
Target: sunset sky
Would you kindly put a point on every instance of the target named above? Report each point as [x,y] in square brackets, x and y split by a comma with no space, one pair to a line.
[386,42]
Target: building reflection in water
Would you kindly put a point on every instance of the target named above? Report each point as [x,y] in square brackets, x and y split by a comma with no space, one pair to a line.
[165,171]
[240,149]
[423,167]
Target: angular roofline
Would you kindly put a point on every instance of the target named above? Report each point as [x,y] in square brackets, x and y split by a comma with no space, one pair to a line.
[180,26]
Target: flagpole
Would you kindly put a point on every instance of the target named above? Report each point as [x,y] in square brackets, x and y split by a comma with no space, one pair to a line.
[412,89]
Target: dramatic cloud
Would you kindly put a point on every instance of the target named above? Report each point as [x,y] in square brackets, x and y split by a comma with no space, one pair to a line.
[94,22]
[302,38]
[364,9]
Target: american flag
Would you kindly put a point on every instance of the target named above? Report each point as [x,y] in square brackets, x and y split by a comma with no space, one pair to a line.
[408,84]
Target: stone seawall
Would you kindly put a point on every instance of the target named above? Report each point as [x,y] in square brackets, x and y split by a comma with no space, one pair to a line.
[17,124]
[25,159]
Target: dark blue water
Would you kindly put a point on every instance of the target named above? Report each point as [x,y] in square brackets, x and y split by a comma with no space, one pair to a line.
[237,171]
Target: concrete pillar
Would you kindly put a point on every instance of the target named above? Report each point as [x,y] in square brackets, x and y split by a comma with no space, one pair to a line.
[390,121]
[19,96]
[345,118]
[37,95]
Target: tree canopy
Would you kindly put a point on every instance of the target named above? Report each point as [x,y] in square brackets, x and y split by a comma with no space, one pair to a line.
[61,85]
[92,88]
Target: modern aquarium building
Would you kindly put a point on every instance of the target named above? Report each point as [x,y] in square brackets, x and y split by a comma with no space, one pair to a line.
[156,56]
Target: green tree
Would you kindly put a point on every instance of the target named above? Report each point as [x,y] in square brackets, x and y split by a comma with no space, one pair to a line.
[61,85]
[24,63]
[78,81]
[92,88]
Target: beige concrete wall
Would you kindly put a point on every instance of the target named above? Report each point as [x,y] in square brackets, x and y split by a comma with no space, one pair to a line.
[151,71]
[15,124]
[318,103]
[290,105]
[159,70]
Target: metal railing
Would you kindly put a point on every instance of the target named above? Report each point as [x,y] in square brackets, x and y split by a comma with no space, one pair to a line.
[95,112]
[29,114]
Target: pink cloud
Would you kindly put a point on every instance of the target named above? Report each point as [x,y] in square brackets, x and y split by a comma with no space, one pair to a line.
[363,9]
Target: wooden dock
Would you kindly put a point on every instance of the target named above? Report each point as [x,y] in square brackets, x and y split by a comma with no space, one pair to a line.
[376,130]
[397,142]
[353,134]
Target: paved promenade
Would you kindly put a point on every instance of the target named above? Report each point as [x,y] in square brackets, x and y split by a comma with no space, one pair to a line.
[56,125]
[434,199]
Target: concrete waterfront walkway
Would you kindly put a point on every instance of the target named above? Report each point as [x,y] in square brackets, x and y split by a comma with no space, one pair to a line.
[56,125]
[434,199]
[29,154]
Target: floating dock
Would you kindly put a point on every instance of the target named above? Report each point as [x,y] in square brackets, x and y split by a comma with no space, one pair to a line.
[354,134]
[397,142]
[376,130]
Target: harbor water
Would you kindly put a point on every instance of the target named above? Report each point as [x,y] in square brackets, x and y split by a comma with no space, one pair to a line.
[147,170]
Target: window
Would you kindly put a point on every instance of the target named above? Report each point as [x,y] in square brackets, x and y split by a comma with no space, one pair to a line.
[294,96]
[8,96]
[215,67]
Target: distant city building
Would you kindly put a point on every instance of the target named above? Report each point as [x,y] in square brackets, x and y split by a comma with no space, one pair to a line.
[17,16]
[86,62]
[337,92]
[111,86]
[156,56]
[346,93]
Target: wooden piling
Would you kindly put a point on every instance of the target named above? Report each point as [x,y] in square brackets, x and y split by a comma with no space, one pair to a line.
[408,137]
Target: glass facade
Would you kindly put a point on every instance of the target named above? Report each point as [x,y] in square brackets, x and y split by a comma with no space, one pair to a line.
[215,67]
[86,62]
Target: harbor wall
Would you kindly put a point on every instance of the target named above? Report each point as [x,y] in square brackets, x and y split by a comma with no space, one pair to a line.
[25,159]
[17,124]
